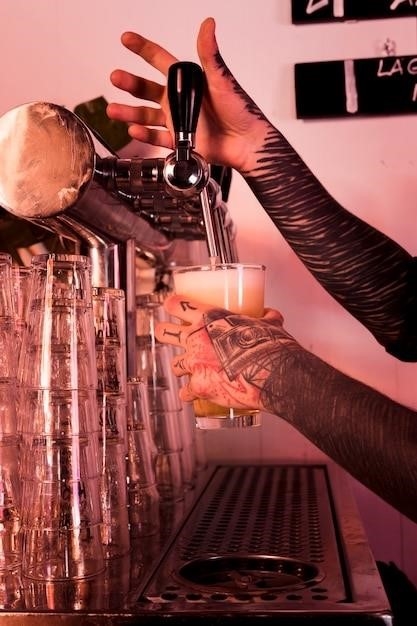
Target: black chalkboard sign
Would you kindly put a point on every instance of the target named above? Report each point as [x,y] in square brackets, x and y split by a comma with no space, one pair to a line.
[314,11]
[374,86]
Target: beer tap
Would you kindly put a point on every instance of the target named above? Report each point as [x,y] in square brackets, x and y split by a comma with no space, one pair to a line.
[186,173]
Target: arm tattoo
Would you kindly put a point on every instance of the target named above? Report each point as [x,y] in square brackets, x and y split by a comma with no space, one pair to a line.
[368,273]
[371,436]
[250,104]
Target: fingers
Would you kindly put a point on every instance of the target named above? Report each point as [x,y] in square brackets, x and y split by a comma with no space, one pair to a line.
[217,72]
[185,308]
[137,86]
[136,115]
[146,124]
[271,315]
[150,51]
[177,334]
[173,334]
[206,43]
[161,138]
[186,395]
[142,122]
[190,310]
[180,365]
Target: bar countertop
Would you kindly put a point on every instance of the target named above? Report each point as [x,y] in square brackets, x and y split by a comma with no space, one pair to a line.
[249,544]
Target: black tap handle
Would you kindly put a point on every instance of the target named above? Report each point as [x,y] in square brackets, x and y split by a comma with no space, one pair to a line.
[186,173]
[185,93]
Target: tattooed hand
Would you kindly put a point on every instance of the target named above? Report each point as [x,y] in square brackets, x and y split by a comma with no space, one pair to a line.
[230,125]
[227,357]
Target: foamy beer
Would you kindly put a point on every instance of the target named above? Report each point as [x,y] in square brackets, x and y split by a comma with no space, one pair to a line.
[240,288]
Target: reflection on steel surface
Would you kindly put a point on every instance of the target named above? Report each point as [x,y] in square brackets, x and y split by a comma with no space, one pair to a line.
[282,543]
[46,160]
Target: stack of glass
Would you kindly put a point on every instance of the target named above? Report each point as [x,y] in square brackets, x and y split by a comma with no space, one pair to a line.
[191,450]
[58,421]
[110,341]
[175,470]
[10,550]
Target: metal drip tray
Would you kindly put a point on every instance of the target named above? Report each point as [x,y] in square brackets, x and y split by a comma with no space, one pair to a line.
[272,540]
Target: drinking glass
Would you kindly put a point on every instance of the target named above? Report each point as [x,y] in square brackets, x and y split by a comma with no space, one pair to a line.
[6,292]
[84,595]
[8,360]
[142,488]
[21,277]
[154,358]
[239,288]
[113,479]
[58,347]
[10,521]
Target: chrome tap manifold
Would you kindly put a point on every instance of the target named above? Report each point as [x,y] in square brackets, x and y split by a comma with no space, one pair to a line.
[142,185]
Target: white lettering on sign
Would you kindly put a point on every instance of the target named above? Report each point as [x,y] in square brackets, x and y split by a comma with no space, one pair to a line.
[396,3]
[315,5]
[390,66]
[351,90]
[339,9]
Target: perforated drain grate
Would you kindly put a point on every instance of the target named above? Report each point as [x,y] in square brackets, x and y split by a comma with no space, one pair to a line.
[268,536]
[268,510]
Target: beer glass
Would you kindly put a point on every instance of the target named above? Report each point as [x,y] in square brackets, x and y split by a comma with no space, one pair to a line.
[239,288]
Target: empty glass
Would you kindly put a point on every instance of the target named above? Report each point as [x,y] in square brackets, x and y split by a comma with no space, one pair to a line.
[6,292]
[110,339]
[113,481]
[8,360]
[59,347]
[10,496]
[186,426]
[153,361]
[21,277]
[69,595]
[142,488]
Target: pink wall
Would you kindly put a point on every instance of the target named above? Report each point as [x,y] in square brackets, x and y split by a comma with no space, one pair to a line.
[63,52]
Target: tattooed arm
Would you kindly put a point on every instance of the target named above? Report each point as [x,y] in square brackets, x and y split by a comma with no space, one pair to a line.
[368,273]
[244,362]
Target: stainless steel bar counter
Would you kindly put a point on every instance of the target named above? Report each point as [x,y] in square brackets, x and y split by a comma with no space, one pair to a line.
[250,544]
